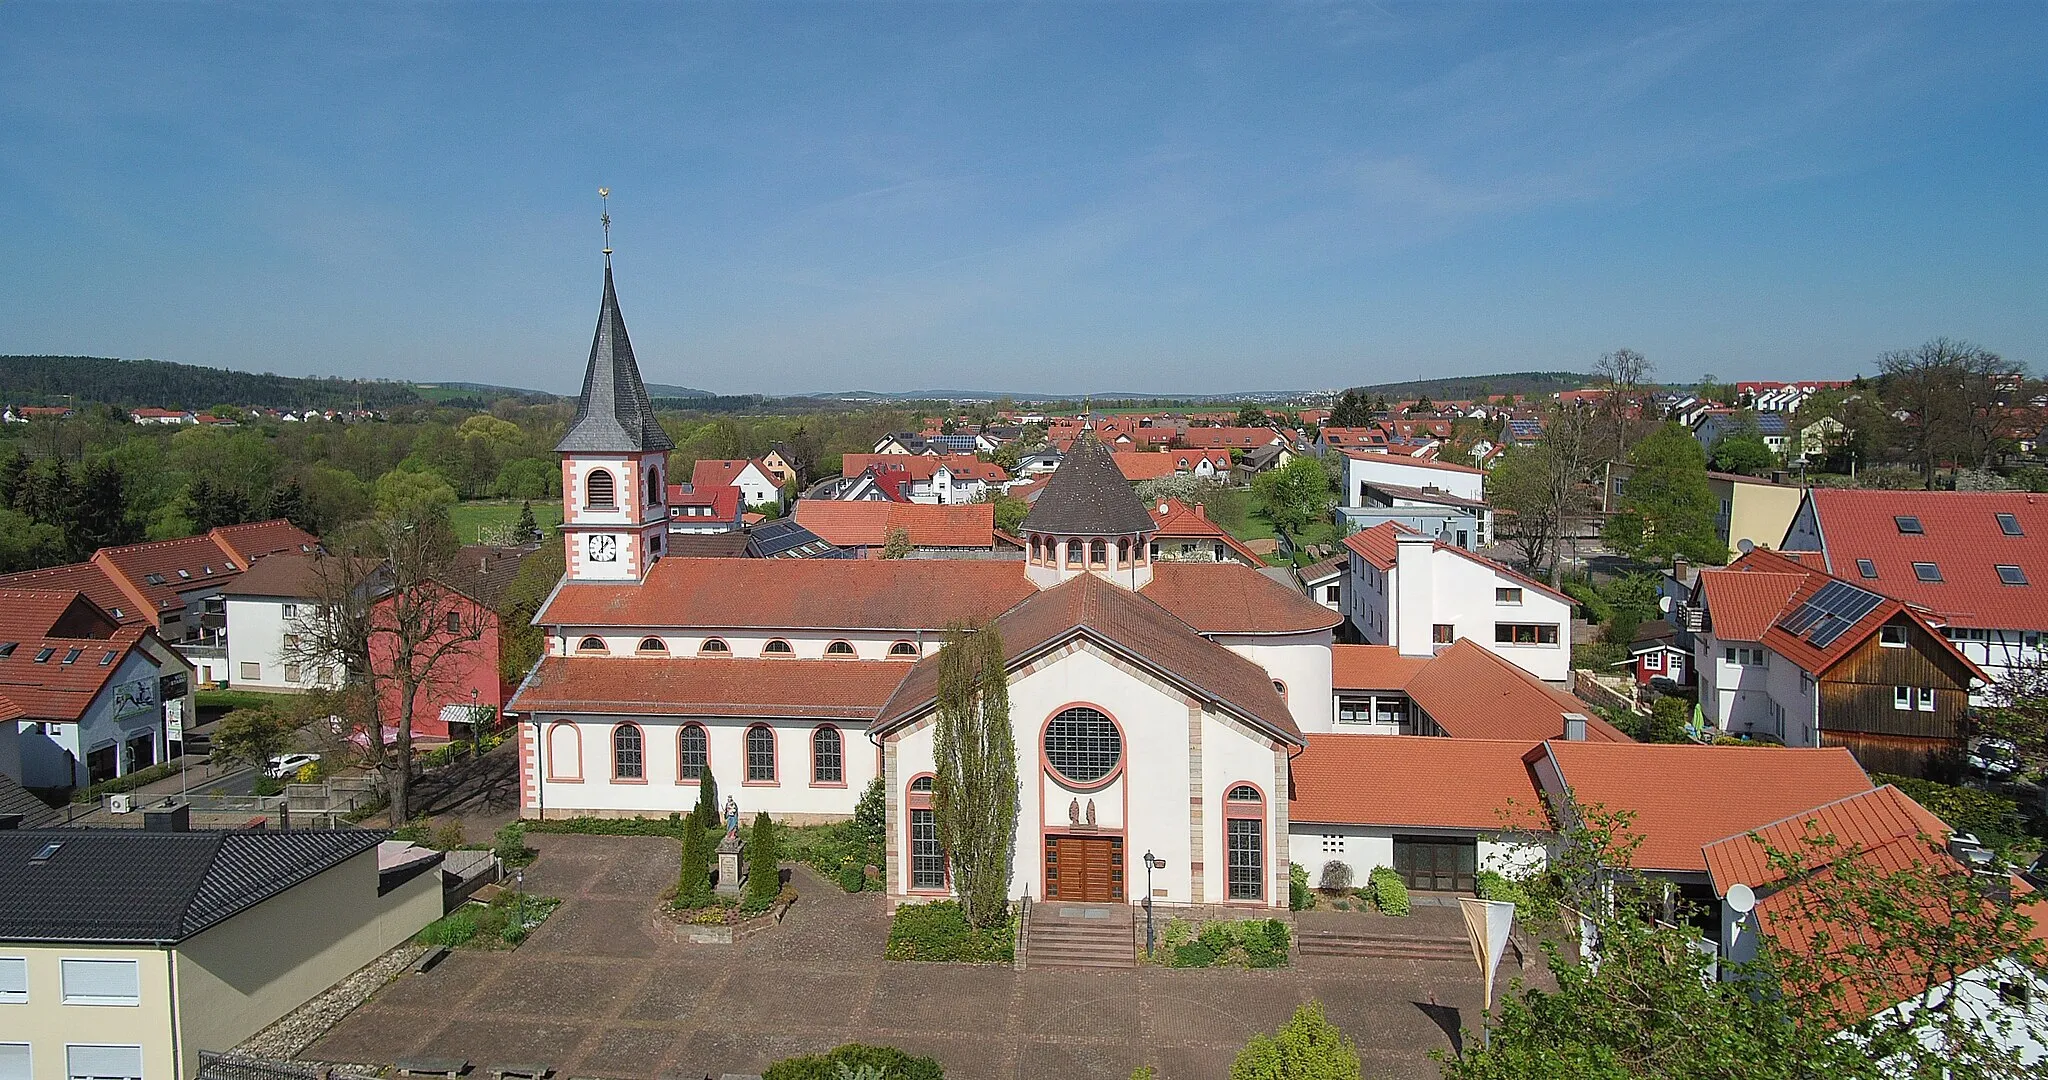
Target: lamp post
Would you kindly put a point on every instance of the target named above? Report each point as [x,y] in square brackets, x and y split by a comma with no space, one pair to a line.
[1150,864]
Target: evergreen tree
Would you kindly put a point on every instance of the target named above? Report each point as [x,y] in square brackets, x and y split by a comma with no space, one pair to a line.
[764,854]
[47,495]
[289,503]
[1352,410]
[13,478]
[707,803]
[214,505]
[1250,415]
[693,887]
[529,529]
[974,791]
[100,515]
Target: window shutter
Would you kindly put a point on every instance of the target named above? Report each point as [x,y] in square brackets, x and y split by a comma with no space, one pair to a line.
[102,982]
[14,1061]
[103,1062]
[13,980]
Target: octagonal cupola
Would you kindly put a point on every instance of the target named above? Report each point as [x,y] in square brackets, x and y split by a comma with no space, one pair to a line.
[1088,521]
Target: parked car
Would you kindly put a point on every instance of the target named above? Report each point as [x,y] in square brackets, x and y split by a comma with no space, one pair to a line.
[284,765]
[1994,757]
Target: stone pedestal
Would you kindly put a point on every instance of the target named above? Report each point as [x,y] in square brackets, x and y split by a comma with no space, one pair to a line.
[732,865]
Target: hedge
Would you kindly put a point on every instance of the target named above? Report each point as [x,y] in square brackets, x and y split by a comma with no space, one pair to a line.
[1496,886]
[124,783]
[849,1059]
[939,931]
[1389,892]
[1253,943]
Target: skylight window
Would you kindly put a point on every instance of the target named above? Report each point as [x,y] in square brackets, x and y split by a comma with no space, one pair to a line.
[2012,575]
[47,850]
[7,648]
[1909,525]
[1867,568]
[2010,525]
[43,654]
[184,574]
[108,657]
[1927,571]
[72,654]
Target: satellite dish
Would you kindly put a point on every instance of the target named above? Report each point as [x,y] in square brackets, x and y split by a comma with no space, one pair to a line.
[1741,898]
[1745,545]
[1664,604]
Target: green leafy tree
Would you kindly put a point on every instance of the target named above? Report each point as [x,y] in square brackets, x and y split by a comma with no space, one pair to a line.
[1352,410]
[896,543]
[251,737]
[520,643]
[693,885]
[1307,1047]
[1668,509]
[413,496]
[1744,452]
[974,789]
[764,856]
[1295,494]
[528,478]
[1250,415]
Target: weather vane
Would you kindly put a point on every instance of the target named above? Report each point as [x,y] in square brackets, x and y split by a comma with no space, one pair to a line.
[604,217]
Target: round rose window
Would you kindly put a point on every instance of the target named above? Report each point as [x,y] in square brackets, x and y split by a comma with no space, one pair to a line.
[1083,746]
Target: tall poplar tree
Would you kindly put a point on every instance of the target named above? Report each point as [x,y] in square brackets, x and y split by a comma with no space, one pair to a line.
[974,791]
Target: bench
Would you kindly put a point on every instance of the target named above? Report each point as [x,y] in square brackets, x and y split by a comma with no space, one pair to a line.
[428,959]
[519,1072]
[448,1067]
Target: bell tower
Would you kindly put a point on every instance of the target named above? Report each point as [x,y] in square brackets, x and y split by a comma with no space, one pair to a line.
[1088,521]
[614,458]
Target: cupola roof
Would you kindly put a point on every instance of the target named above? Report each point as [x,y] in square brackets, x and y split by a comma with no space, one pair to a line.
[1088,496]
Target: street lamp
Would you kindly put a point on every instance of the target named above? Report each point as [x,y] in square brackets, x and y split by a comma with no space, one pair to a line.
[1151,864]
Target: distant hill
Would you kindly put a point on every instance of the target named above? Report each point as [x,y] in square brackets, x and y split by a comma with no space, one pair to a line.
[670,390]
[1465,387]
[442,393]
[49,380]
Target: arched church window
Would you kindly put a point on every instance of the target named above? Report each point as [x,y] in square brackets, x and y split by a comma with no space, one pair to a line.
[600,491]
[1123,553]
[1244,842]
[693,752]
[839,648]
[921,786]
[828,762]
[654,491]
[714,647]
[1074,553]
[778,647]
[760,754]
[1098,552]
[590,645]
[653,645]
[903,648]
[1083,746]
[628,762]
[1037,549]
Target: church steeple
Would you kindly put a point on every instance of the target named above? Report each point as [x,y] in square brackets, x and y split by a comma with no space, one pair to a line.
[1087,520]
[613,414]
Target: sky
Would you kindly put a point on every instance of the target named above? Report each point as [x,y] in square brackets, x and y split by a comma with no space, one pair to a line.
[1038,198]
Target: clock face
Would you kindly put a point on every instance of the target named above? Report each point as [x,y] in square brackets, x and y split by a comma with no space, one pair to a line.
[604,547]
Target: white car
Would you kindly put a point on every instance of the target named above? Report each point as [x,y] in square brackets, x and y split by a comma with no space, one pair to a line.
[283,765]
[1994,757]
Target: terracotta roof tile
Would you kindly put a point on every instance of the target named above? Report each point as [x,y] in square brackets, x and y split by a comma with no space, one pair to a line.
[1231,598]
[1372,667]
[1416,781]
[1139,465]
[1960,534]
[841,594]
[95,581]
[1378,545]
[1777,634]
[1174,518]
[1744,605]
[1866,821]
[1684,796]
[867,524]
[696,686]
[1472,693]
[1444,466]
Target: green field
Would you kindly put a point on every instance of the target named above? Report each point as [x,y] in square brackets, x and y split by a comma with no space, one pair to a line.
[471,518]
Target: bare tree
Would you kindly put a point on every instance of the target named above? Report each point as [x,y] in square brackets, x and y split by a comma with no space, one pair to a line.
[1950,395]
[1538,490]
[1623,410]
[387,616]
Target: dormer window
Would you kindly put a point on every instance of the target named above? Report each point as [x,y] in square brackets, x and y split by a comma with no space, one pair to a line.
[653,645]
[714,647]
[600,491]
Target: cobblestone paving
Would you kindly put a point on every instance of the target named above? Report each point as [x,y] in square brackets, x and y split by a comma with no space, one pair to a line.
[600,991]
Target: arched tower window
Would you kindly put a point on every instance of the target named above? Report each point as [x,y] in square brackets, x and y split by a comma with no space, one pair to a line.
[654,492]
[628,757]
[600,491]
[1244,842]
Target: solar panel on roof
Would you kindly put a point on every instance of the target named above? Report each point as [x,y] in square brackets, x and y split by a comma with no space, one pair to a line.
[1829,613]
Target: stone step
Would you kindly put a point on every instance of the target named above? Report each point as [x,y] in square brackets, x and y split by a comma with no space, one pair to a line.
[1383,947]
[1105,941]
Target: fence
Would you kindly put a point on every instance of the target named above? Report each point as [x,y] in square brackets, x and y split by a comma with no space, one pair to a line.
[323,805]
[215,1066]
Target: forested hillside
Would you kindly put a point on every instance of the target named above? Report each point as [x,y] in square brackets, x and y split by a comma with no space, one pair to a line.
[47,380]
[1466,387]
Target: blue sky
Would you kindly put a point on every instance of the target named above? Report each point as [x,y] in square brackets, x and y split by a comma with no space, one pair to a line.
[1041,198]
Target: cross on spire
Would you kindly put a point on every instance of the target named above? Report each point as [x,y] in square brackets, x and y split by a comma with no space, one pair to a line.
[604,217]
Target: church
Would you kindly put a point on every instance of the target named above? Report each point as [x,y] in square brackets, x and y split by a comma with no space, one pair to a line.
[1157,706]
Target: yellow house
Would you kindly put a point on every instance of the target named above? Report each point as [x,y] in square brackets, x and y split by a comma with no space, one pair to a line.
[1753,508]
[125,952]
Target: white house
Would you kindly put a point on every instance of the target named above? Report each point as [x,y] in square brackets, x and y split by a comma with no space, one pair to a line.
[1419,594]
[757,487]
[267,610]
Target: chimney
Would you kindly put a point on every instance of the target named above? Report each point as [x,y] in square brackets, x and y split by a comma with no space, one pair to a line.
[1575,727]
[1678,568]
[1201,511]
[167,816]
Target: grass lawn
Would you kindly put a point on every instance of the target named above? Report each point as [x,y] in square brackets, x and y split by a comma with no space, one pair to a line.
[1257,526]
[471,518]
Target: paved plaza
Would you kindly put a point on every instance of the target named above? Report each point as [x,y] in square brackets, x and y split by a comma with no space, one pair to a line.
[601,991]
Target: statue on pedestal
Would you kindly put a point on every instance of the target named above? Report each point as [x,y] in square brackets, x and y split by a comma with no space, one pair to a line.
[732,816]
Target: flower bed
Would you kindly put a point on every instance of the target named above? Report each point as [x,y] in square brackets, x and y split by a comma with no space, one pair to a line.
[725,920]
[501,924]
[939,931]
[1251,943]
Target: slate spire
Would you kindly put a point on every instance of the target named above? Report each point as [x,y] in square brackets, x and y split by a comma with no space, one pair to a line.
[613,415]
[1088,496]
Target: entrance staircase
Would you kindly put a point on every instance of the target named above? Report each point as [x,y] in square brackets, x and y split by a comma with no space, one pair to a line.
[1382,946]
[1080,936]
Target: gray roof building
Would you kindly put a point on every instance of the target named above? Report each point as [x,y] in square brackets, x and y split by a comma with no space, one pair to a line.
[613,414]
[1088,496]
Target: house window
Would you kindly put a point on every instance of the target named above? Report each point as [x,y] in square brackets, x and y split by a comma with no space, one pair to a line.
[13,980]
[2012,575]
[714,647]
[15,1062]
[1443,633]
[84,1062]
[1074,553]
[590,645]
[101,982]
[839,648]
[1525,633]
[251,671]
[600,491]
[1331,593]
[1867,568]
[693,752]
[828,763]
[291,611]
[1037,550]
[1507,596]
[778,647]
[1908,525]
[1744,656]
[1927,571]
[1653,661]
[628,762]
[455,622]
[1245,843]
[291,673]
[2010,525]
[1098,553]
[1927,699]
[653,645]
[760,754]
[903,648]
[1892,637]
